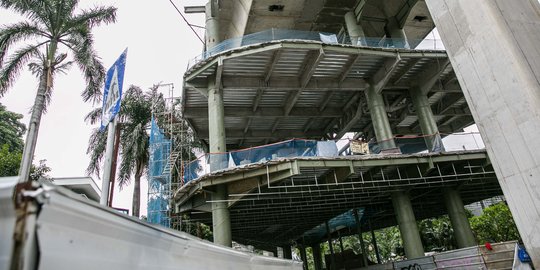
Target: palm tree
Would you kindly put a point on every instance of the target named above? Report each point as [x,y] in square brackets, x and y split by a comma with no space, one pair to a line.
[135,116]
[53,30]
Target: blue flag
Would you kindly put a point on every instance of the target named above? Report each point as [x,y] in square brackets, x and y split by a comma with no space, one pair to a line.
[112,94]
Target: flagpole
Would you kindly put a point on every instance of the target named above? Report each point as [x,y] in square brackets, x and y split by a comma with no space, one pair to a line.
[108,162]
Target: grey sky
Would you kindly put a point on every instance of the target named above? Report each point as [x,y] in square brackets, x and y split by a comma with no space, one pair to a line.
[160,45]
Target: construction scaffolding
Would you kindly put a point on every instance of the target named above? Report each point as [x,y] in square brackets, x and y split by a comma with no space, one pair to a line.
[170,148]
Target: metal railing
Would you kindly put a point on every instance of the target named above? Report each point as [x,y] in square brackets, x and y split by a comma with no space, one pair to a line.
[327,38]
[295,148]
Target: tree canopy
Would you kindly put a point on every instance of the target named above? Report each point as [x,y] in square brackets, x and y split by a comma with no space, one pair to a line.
[52,31]
[11,129]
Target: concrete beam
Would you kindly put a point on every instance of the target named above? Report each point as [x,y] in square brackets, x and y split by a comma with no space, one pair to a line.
[383,75]
[237,134]
[338,175]
[202,91]
[406,70]
[270,174]
[272,64]
[427,79]
[312,62]
[267,112]
[349,123]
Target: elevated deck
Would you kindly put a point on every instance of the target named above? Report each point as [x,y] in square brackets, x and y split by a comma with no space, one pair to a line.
[309,89]
[276,202]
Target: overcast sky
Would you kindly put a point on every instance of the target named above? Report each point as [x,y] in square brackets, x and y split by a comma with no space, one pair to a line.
[160,45]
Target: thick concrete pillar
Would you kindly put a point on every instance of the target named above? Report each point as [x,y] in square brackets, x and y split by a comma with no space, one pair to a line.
[356,33]
[287,252]
[303,257]
[360,238]
[460,223]
[493,47]
[426,120]
[221,221]
[407,225]
[331,247]
[374,243]
[396,33]
[381,125]
[317,256]
[212,33]
[216,127]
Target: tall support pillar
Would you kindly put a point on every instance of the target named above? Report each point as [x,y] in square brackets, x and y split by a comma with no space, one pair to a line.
[497,62]
[407,225]
[460,223]
[317,256]
[374,243]
[426,120]
[356,33]
[396,33]
[360,238]
[379,118]
[303,257]
[212,34]
[216,126]
[287,252]
[331,247]
[221,221]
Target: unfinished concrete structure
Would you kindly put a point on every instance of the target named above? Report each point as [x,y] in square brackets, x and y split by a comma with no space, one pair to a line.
[263,80]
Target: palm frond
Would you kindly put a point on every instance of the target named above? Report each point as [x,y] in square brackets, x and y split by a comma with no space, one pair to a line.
[93,17]
[12,68]
[35,10]
[14,33]
[93,116]
[81,45]
[96,149]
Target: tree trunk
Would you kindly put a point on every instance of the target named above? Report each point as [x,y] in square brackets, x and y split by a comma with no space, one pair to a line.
[33,128]
[45,83]
[137,191]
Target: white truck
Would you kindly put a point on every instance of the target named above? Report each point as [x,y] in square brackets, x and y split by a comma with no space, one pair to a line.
[49,227]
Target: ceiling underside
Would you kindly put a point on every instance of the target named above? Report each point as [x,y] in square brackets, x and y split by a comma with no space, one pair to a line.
[268,215]
[324,16]
[303,89]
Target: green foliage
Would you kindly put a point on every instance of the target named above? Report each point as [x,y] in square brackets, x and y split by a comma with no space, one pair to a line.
[437,234]
[9,161]
[40,171]
[11,129]
[496,224]
[198,229]
[51,31]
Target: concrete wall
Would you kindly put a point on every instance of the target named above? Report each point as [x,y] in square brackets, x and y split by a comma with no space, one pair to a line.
[494,48]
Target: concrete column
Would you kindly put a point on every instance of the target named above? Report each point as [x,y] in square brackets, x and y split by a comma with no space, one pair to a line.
[460,223]
[396,33]
[216,127]
[287,252]
[493,47]
[381,125]
[303,257]
[374,242]
[317,256]
[407,225]
[426,120]
[221,221]
[332,254]
[356,33]
[212,33]
[360,238]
